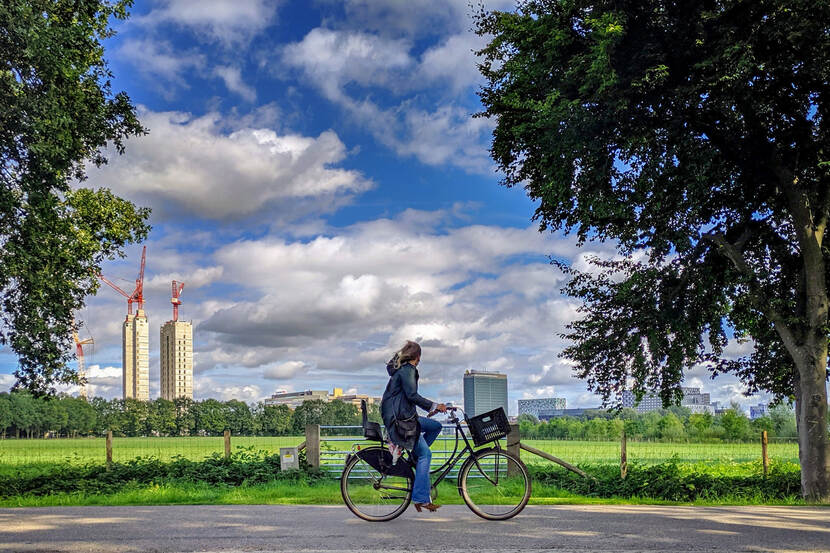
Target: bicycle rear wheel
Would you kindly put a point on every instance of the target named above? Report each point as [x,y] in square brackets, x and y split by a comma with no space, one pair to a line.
[488,490]
[372,495]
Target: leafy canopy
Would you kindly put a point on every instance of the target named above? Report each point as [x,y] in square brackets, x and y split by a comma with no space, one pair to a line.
[695,135]
[57,112]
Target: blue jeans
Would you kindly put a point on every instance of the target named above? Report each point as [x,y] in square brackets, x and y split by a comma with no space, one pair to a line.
[430,429]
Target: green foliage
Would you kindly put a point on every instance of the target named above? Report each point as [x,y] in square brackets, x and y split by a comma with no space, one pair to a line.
[57,113]
[695,136]
[669,482]
[66,416]
[245,467]
[675,425]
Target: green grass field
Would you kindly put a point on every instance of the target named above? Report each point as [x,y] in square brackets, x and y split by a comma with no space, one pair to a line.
[82,450]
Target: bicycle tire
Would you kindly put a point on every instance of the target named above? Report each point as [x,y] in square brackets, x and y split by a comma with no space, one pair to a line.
[358,486]
[486,488]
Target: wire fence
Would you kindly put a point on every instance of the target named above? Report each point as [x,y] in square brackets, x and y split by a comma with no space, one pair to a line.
[337,441]
[85,450]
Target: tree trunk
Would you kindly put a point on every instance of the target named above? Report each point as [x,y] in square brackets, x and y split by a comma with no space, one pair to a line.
[811,416]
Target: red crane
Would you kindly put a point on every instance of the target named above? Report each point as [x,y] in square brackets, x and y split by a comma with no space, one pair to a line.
[177,292]
[138,294]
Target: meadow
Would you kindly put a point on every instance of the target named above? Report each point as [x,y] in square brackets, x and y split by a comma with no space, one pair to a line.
[83,450]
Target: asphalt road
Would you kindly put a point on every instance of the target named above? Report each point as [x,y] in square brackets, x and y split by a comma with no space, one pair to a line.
[583,528]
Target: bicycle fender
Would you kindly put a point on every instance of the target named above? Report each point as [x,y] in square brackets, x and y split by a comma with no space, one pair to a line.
[381,460]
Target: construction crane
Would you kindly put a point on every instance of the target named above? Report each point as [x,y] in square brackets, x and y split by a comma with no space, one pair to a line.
[79,352]
[177,292]
[137,295]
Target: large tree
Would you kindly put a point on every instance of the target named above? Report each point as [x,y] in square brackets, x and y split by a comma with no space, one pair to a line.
[57,113]
[694,135]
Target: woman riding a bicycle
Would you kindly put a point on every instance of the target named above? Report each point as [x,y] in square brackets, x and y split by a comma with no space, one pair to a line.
[405,428]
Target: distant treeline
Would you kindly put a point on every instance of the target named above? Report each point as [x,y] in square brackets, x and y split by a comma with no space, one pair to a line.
[22,415]
[675,424]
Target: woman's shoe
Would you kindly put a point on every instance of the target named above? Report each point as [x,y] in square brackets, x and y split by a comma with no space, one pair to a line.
[428,506]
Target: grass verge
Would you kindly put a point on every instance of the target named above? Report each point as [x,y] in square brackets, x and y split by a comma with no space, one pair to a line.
[324,492]
[254,477]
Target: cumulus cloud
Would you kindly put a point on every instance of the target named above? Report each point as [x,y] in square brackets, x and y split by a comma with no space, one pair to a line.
[232,77]
[157,61]
[191,164]
[211,388]
[6,381]
[225,21]
[453,61]
[411,19]
[339,304]
[335,61]
[285,370]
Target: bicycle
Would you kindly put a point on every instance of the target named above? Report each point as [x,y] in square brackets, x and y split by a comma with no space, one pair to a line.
[493,483]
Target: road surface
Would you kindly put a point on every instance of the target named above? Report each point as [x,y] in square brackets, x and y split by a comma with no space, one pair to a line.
[453,529]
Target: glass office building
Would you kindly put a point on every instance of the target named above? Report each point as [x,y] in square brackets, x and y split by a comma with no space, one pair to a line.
[484,391]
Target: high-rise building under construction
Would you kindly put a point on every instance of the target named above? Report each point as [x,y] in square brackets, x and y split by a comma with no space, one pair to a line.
[136,356]
[176,360]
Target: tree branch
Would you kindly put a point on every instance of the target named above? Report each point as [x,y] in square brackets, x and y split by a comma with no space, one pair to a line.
[735,255]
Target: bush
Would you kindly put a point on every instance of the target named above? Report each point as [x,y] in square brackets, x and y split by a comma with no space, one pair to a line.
[245,466]
[667,482]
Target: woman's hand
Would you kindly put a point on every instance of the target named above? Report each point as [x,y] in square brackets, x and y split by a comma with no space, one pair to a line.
[439,408]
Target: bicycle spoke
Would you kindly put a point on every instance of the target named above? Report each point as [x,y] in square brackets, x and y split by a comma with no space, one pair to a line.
[372,495]
[490,490]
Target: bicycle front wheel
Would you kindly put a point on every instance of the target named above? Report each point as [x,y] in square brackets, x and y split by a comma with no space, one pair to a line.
[372,495]
[495,485]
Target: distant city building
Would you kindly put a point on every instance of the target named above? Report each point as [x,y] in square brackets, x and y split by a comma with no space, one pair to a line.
[176,360]
[354,399]
[484,391]
[295,399]
[693,399]
[536,406]
[758,411]
[135,357]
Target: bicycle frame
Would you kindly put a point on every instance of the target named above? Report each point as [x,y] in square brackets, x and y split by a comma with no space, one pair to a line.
[454,458]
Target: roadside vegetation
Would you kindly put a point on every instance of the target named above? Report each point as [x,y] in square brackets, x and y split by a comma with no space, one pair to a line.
[251,476]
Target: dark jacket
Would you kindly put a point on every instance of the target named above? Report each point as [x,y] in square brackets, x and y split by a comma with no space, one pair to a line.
[399,400]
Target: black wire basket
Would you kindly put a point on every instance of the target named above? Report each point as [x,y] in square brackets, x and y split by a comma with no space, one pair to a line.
[488,427]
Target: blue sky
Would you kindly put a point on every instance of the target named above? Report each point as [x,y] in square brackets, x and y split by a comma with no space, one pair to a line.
[319,184]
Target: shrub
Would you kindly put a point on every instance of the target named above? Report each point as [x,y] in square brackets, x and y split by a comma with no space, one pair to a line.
[245,466]
[668,482]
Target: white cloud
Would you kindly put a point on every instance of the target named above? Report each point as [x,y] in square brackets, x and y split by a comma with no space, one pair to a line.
[453,61]
[285,370]
[333,308]
[157,61]
[190,164]
[336,61]
[210,388]
[232,77]
[226,21]
[333,59]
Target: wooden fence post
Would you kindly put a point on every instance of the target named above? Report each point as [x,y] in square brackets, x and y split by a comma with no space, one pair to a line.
[764,456]
[514,443]
[227,444]
[109,449]
[623,455]
[312,445]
